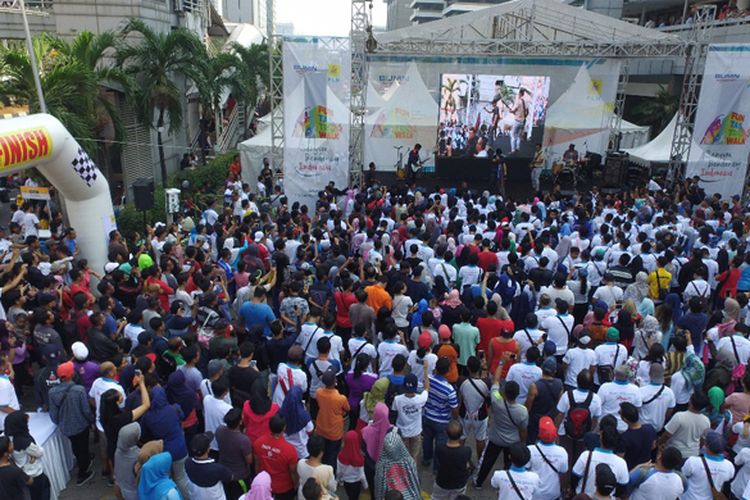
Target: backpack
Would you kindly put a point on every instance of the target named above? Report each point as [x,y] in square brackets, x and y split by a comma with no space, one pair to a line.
[738,371]
[607,372]
[578,421]
[694,370]
[702,298]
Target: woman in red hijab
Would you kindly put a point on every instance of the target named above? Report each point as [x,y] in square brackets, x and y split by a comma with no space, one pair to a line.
[351,465]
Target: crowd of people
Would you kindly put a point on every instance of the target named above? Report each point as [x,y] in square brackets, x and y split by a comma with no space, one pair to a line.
[585,347]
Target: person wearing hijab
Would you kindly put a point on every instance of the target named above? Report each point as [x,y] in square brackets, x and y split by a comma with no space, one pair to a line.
[373,436]
[638,290]
[180,394]
[27,455]
[147,451]
[154,482]
[375,395]
[350,470]
[257,411]
[648,334]
[126,456]
[451,308]
[397,471]
[260,489]
[299,424]
[646,307]
[720,420]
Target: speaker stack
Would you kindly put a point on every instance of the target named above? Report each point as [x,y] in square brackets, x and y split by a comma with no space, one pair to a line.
[143,193]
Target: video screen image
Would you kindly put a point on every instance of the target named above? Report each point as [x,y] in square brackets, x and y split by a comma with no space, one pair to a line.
[480,114]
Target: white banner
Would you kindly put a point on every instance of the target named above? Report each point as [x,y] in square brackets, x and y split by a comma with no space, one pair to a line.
[719,153]
[317,74]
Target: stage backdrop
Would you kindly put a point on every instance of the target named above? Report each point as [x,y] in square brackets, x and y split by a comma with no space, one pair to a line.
[720,149]
[317,74]
[403,90]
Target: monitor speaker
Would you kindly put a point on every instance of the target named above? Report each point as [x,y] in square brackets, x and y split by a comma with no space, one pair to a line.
[143,193]
[615,169]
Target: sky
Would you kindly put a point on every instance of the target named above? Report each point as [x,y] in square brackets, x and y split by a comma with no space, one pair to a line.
[323,17]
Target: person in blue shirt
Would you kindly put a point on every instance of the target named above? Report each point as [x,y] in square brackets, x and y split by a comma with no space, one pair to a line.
[257,312]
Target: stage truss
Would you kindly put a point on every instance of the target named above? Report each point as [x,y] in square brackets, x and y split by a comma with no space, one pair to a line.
[523,28]
[695,61]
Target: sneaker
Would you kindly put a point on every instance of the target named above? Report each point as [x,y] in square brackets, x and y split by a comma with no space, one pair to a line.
[86,478]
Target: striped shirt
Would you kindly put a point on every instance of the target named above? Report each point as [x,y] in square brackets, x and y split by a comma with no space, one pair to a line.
[440,400]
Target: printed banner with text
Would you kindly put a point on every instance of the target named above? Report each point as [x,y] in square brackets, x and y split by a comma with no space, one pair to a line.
[317,73]
[719,153]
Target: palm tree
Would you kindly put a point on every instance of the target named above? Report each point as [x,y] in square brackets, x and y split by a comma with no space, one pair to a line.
[253,71]
[220,75]
[95,53]
[69,88]
[152,61]
[658,110]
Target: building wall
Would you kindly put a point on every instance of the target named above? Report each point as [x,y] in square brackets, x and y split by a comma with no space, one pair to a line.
[611,8]
[399,12]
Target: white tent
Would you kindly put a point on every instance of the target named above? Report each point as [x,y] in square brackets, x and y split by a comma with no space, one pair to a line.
[407,117]
[656,151]
[633,135]
[253,150]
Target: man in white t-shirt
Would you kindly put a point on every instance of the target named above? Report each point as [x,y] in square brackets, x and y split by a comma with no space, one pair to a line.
[525,373]
[657,399]
[524,483]
[408,408]
[359,344]
[387,350]
[661,481]
[735,343]
[105,382]
[215,407]
[582,393]
[578,359]
[686,428]
[528,336]
[608,292]
[290,374]
[8,398]
[559,326]
[30,223]
[617,392]
[602,455]
[694,469]
[610,354]
[548,460]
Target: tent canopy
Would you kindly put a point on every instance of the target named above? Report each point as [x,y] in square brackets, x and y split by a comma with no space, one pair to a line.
[552,21]
[253,150]
[656,151]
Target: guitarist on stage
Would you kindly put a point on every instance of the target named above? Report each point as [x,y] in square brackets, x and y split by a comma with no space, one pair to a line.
[413,163]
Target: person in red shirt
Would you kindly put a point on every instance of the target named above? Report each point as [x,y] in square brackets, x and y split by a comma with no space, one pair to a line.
[492,325]
[344,300]
[487,257]
[273,454]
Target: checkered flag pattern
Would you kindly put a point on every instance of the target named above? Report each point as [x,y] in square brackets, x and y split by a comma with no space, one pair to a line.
[84,167]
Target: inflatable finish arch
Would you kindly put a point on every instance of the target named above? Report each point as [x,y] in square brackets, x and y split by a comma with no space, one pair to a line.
[43,142]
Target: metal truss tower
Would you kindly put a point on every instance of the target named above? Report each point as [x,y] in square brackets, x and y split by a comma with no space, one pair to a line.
[360,31]
[615,121]
[695,60]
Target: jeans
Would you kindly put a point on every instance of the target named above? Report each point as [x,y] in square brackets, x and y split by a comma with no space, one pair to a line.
[331,452]
[80,445]
[434,435]
[180,477]
[515,135]
[535,173]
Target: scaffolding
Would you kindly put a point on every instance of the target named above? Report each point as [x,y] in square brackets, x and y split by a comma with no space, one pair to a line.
[276,97]
[360,30]
[695,60]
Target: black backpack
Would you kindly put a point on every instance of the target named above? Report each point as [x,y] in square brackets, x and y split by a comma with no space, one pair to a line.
[578,421]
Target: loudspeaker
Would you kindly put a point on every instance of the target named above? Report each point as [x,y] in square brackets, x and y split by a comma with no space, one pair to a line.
[143,193]
[615,169]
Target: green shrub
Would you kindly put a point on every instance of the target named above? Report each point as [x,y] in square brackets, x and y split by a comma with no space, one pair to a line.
[205,181]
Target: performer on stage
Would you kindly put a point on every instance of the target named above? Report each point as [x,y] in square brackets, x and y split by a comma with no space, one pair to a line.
[571,155]
[413,163]
[537,165]
[520,112]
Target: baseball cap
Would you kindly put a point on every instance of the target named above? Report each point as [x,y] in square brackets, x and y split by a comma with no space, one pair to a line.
[410,382]
[613,334]
[80,351]
[715,443]
[328,378]
[110,266]
[549,366]
[585,338]
[65,370]
[547,430]
[606,482]
[444,331]
[214,367]
[201,442]
[549,348]
[425,340]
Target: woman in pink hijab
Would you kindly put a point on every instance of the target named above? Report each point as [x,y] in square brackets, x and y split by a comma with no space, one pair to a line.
[374,435]
[260,489]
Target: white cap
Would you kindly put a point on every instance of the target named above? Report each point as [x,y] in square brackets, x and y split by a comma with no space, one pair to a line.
[80,351]
[258,235]
[110,266]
